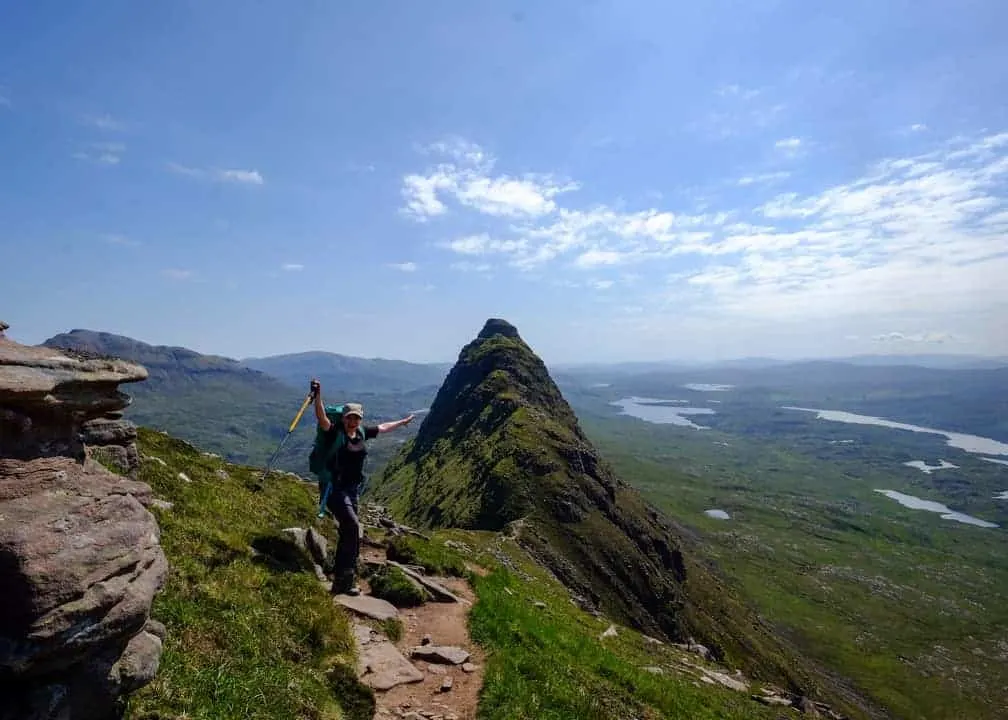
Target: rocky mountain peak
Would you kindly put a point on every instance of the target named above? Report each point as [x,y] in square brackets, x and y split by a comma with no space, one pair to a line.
[496,326]
[80,559]
[502,449]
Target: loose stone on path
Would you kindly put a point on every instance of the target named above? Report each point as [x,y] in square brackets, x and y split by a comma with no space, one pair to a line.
[369,606]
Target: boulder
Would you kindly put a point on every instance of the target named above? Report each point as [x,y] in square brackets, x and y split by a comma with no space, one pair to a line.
[80,558]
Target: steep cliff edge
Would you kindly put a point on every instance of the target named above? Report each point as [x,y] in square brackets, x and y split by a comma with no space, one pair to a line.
[80,559]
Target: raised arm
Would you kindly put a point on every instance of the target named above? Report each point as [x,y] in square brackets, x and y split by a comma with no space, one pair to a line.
[320,415]
[394,424]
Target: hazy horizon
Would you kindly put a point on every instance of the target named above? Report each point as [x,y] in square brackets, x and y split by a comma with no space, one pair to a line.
[452,357]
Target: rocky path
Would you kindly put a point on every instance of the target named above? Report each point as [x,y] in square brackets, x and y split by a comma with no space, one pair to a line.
[434,671]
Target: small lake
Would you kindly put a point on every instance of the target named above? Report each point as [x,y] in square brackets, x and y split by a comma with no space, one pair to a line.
[708,387]
[969,443]
[931,506]
[924,467]
[664,412]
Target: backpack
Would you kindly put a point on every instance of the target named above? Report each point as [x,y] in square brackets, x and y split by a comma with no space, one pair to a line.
[325,447]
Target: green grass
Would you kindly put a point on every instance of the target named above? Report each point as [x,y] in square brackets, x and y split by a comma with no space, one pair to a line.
[390,583]
[912,608]
[435,559]
[549,663]
[251,633]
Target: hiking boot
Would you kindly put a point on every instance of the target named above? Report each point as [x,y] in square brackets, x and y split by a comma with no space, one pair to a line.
[344,585]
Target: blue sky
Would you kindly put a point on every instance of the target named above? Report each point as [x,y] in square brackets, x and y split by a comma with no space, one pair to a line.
[622,180]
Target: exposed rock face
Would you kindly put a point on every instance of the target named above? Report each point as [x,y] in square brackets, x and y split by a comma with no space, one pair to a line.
[80,559]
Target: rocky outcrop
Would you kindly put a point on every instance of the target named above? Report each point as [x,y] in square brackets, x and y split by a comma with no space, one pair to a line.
[80,559]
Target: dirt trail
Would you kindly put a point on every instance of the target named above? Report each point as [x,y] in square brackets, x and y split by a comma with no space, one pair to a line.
[446,625]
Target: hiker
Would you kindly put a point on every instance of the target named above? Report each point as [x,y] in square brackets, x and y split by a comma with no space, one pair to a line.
[344,469]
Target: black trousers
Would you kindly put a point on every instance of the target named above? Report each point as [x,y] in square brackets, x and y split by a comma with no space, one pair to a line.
[342,503]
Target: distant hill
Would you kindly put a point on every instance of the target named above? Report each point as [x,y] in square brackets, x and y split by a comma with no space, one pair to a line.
[233,410]
[352,373]
[501,449]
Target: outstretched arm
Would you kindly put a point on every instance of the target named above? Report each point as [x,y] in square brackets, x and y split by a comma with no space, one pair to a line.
[394,424]
[320,415]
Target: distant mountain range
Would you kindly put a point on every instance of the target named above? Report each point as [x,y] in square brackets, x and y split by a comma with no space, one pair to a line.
[934,361]
[241,412]
[345,371]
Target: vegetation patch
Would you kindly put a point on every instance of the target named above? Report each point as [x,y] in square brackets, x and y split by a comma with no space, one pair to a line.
[434,558]
[547,659]
[390,583]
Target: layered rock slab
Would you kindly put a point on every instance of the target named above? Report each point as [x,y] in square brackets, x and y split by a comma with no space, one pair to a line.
[80,559]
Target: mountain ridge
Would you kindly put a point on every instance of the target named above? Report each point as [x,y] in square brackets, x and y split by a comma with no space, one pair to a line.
[501,449]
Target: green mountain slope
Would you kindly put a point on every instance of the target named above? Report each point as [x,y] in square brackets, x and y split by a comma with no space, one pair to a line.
[349,372]
[251,634]
[232,410]
[501,448]
[250,631]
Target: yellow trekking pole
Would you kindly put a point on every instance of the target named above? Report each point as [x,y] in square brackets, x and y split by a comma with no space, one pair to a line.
[297,419]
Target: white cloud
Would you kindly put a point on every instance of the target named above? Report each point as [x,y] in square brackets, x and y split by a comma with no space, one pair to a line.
[914,241]
[251,177]
[483,244]
[292,267]
[764,178]
[404,266]
[467,180]
[244,177]
[918,127]
[603,284]
[595,258]
[790,147]
[927,337]
[178,274]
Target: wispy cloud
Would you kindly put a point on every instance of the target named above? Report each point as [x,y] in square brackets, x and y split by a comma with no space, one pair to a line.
[737,91]
[736,110]
[101,153]
[404,266]
[465,177]
[242,177]
[4,100]
[764,178]
[790,147]
[918,127]
[921,234]
[121,241]
[292,267]
[937,338]
[178,274]
[104,122]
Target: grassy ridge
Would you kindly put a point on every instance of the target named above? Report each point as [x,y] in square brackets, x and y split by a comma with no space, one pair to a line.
[547,661]
[251,633]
